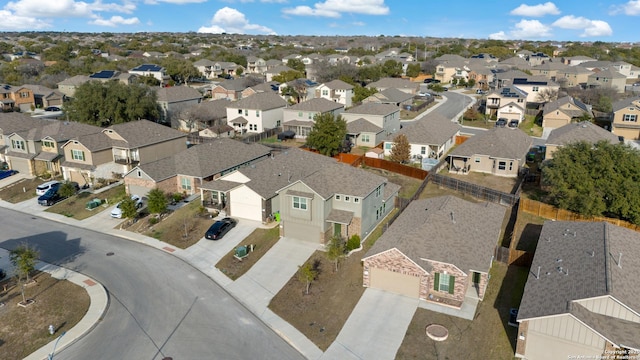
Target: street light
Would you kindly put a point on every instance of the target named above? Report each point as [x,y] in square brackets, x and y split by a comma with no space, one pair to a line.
[50,357]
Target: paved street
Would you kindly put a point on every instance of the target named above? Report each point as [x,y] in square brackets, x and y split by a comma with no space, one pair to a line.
[159,305]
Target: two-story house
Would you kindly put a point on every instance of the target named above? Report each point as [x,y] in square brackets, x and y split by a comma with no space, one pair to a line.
[256,65]
[205,68]
[68,86]
[507,102]
[535,88]
[626,114]
[154,70]
[45,97]
[117,149]
[256,113]
[608,78]
[231,89]
[336,90]
[300,118]
[563,111]
[13,123]
[404,85]
[174,99]
[16,97]
[431,137]
[584,131]
[385,119]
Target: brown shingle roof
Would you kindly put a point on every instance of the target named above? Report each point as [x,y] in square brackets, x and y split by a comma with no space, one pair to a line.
[177,94]
[143,133]
[505,143]
[434,129]
[582,131]
[320,105]
[259,101]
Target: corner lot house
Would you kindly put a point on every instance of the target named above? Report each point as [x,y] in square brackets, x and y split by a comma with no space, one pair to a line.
[576,132]
[439,250]
[582,297]
[256,113]
[498,151]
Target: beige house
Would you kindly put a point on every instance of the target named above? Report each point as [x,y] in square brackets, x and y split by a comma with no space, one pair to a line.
[16,97]
[582,296]
[299,118]
[574,76]
[11,123]
[506,102]
[608,78]
[45,97]
[498,151]
[384,116]
[405,85]
[564,111]
[68,86]
[117,149]
[625,118]
[440,251]
[431,137]
[576,132]
[337,91]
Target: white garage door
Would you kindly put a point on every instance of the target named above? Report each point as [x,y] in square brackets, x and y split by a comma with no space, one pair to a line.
[395,282]
[245,204]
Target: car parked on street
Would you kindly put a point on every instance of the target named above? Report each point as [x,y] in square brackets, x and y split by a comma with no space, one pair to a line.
[117,211]
[7,173]
[44,187]
[220,228]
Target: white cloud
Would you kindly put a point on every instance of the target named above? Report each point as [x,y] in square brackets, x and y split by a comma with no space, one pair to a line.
[630,8]
[234,22]
[334,8]
[500,35]
[589,27]
[539,10]
[50,9]
[115,21]
[530,29]
[177,2]
[11,21]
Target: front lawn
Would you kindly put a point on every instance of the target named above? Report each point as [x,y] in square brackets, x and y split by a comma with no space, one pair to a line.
[20,191]
[261,239]
[486,337]
[75,206]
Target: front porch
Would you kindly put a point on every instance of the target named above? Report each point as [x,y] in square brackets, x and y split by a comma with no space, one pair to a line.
[465,309]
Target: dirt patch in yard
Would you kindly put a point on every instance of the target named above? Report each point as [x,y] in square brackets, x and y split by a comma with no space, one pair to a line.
[433,190]
[486,337]
[262,239]
[499,183]
[408,185]
[21,190]
[76,206]
[24,330]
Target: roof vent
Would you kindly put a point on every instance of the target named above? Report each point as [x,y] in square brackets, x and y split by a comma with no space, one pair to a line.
[453,217]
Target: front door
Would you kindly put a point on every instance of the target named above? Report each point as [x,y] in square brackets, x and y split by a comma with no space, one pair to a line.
[337,230]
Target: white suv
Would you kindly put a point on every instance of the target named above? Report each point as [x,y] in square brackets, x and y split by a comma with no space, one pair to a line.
[117,212]
[44,187]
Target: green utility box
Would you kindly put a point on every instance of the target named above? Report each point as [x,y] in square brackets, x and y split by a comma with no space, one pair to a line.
[94,203]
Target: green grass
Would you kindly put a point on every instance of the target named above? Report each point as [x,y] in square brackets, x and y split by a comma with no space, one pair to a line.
[530,127]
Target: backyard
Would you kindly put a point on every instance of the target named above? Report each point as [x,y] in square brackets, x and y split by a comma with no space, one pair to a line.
[499,183]
[486,337]
[24,330]
[408,185]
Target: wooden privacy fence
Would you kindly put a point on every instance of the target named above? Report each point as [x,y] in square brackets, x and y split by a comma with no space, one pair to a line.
[359,160]
[553,213]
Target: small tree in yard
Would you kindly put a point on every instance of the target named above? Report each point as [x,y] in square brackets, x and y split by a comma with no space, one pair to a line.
[401,149]
[23,258]
[128,207]
[306,274]
[335,250]
[67,190]
[157,201]
[328,134]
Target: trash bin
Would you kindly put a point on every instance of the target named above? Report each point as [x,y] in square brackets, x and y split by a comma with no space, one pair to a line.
[277,217]
[94,203]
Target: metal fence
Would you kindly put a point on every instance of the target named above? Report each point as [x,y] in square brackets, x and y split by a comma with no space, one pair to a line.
[477,191]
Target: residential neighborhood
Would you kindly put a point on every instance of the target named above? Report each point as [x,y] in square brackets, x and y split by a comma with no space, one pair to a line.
[365,199]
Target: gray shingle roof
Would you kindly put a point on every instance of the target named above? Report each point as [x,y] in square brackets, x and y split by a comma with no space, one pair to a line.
[320,105]
[504,143]
[338,85]
[579,260]
[260,101]
[624,103]
[391,95]
[434,129]
[361,125]
[95,142]
[397,83]
[620,332]
[343,179]
[15,122]
[557,105]
[373,109]
[178,94]
[582,131]
[445,229]
[142,133]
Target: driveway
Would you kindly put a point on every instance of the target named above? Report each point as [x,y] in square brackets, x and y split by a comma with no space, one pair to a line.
[375,329]
[13,179]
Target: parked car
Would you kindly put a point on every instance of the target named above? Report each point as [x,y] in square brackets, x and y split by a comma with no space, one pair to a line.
[513,123]
[53,195]
[44,187]
[7,173]
[52,108]
[501,122]
[117,211]
[481,92]
[286,135]
[219,228]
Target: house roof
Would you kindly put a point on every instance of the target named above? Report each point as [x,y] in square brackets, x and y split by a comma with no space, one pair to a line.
[234,84]
[260,101]
[148,68]
[15,122]
[434,129]
[397,83]
[625,103]
[177,94]
[390,95]
[212,109]
[278,69]
[582,260]
[559,105]
[505,143]
[362,125]
[320,105]
[607,73]
[142,133]
[373,109]
[338,85]
[618,331]
[60,131]
[75,80]
[445,229]
[582,131]
[205,159]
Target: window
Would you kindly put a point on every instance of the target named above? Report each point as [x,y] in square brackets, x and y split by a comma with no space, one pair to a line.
[257,113]
[477,159]
[185,183]
[77,154]
[444,282]
[240,111]
[325,92]
[510,165]
[347,198]
[24,94]
[246,112]
[356,200]
[338,197]
[139,173]
[535,88]
[502,165]
[630,118]
[423,150]
[48,144]
[310,116]
[299,203]
[378,191]
[365,138]
[300,114]
[18,144]
[388,145]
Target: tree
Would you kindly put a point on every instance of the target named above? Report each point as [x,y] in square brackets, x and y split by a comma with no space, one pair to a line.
[68,189]
[335,250]
[149,80]
[471,83]
[180,70]
[296,64]
[600,179]
[401,149]
[413,70]
[547,95]
[306,274]
[328,134]
[24,259]
[287,76]
[157,201]
[360,93]
[129,209]
[392,68]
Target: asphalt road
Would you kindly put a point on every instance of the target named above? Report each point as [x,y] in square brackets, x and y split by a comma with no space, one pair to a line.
[454,105]
[159,306]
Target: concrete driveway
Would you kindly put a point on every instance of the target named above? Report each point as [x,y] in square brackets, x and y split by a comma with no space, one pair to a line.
[375,329]
[13,179]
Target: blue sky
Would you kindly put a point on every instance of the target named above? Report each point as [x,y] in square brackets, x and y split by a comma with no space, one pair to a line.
[562,20]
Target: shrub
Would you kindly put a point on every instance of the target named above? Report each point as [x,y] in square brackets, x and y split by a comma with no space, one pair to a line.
[353,243]
[153,220]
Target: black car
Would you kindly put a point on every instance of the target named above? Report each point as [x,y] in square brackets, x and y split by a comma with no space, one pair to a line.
[502,122]
[52,108]
[513,123]
[219,228]
[53,195]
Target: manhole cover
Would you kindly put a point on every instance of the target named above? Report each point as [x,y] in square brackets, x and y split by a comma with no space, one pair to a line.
[110,253]
[437,332]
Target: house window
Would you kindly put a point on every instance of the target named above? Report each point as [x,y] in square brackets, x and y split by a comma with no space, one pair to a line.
[630,117]
[325,92]
[510,165]
[139,173]
[48,144]
[423,150]
[24,94]
[378,191]
[310,116]
[257,113]
[365,138]
[444,282]
[239,111]
[356,200]
[77,155]
[347,198]
[246,112]
[502,165]
[388,145]
[338,197]
[535,88]
[299,203]
[18,144]
[477,160]
[300,114]
[185,183]
[519,100]
[277,124]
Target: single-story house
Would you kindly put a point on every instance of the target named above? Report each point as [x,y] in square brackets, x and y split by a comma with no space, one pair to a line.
[576,132]
[431,137]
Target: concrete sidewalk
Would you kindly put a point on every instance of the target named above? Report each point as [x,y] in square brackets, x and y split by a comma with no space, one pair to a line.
[97,307]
